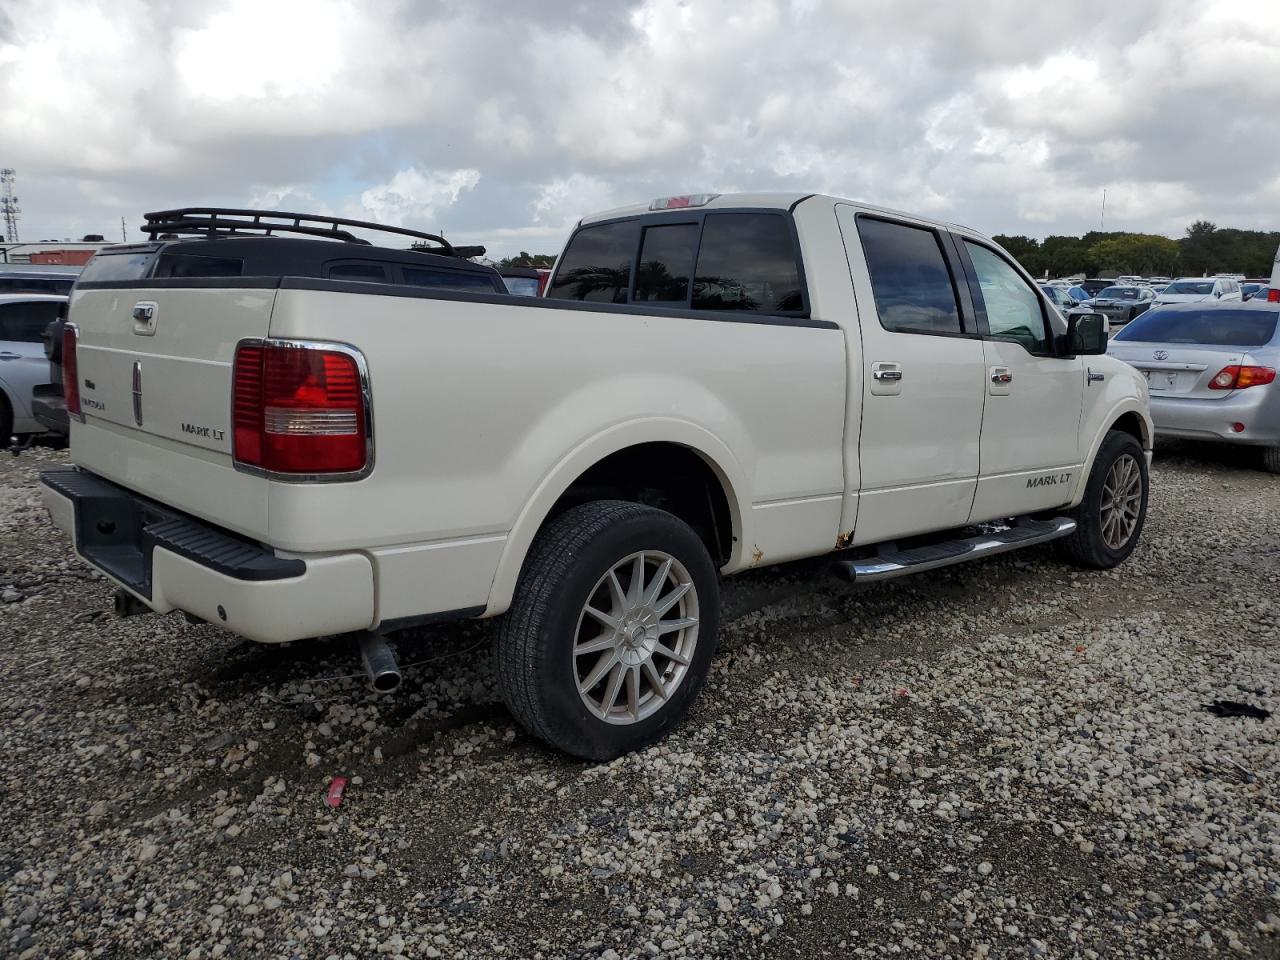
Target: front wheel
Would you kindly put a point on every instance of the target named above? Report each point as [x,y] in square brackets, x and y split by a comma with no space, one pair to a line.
[611,631]
[1110,518]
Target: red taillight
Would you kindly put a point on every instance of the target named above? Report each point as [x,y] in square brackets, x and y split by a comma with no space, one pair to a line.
[1238,378]
[298,409]
[71,372]
[1273,295]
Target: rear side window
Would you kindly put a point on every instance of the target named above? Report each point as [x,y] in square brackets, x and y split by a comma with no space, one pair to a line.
[1218,326]
[449,280]
[666,261]
[746,261]
[188,265]
[596,266]
[909,277]
[368,272]
[25,322]
[35,285]
[117,266]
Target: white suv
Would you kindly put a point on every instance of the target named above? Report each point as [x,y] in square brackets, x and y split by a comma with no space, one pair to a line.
[1199,289]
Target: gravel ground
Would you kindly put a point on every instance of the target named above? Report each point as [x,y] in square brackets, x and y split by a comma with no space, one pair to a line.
[1004,759]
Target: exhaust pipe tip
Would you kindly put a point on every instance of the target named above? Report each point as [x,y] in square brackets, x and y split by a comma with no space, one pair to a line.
[379,663]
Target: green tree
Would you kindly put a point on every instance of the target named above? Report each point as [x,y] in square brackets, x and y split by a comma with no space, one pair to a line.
[526,259]
[1142,254]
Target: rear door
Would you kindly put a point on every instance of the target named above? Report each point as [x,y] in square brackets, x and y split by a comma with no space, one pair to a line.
[23,364]
[154,359]
[922,371]
[1030,448]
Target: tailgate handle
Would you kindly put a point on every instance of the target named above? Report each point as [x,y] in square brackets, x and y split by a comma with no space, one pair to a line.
[144,318]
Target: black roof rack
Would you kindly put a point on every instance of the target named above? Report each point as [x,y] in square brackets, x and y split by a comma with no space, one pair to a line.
[223,221]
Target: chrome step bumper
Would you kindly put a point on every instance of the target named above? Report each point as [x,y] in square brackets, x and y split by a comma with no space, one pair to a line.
[891,562]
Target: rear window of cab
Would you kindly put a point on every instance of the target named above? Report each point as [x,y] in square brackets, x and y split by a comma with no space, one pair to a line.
[730,260]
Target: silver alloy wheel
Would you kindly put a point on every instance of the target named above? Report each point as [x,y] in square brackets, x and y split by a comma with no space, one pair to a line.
[636,637]
[1121,501]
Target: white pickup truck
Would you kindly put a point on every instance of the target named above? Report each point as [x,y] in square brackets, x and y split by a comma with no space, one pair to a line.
[292,437]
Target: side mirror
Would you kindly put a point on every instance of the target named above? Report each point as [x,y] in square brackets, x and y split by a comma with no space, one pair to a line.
[1086,335]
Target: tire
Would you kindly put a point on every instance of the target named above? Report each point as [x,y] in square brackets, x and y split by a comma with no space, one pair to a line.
[6,422]
[1089,545]
[1271,459]
[569,567]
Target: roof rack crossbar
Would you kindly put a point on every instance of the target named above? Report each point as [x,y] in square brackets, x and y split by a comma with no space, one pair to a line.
[210,221]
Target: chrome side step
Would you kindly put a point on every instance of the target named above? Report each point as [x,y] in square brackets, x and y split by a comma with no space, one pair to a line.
[890,562]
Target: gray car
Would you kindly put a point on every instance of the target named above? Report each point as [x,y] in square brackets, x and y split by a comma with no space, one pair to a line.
[1121,304]
[23,365]
[1211,370]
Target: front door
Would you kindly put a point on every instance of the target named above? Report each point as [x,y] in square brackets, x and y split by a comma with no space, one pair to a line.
[921,369]
[1030,447]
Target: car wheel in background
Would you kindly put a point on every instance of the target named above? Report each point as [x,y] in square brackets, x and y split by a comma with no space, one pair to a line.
[1271,459]
[611,631]
[1110,518]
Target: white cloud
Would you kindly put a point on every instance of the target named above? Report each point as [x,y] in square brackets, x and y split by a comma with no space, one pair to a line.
[416,197]
[1009,118]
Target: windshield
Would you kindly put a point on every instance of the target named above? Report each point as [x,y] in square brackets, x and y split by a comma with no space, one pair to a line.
[522,286]
[1190,286]
[1244,326]
[1119,293]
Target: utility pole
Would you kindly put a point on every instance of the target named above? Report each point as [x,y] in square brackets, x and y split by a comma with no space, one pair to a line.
[9,204]
[123,237]
[1102,223]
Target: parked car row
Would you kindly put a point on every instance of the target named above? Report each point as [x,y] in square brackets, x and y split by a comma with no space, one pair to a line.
[31,299]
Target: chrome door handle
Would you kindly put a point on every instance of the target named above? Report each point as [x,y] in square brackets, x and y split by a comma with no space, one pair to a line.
[1095,377]
[6,355]
[1001,376]
[886,374]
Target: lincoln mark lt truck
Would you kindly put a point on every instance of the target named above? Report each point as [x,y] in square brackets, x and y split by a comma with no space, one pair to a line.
[287,431]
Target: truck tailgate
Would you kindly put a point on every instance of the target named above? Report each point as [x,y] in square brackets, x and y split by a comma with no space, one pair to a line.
[155,387]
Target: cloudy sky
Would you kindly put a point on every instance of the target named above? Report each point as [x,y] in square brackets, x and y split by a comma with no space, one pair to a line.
[502,123]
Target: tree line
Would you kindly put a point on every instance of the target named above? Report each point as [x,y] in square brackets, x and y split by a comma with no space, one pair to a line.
[1204,249]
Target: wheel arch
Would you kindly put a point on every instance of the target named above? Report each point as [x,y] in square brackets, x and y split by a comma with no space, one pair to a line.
[1128,417]
[597,462]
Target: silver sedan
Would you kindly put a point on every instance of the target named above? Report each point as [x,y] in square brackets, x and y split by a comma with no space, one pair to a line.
[23,365]
[1211,370]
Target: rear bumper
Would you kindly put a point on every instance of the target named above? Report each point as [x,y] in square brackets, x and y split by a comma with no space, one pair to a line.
[1192,419]
[50,409]
[170,561]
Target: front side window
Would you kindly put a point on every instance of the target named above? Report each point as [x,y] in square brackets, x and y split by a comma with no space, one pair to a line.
[596,266]
[24,321]
[666,261]
[1013,309]
[746,261]
[909,277]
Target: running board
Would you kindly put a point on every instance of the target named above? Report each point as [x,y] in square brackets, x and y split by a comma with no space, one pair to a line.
[891,562]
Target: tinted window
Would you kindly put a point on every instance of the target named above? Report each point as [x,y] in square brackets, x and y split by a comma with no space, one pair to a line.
[35,285]
[1013,309]
[1245,326]
[449,280]
[666,260]
[1190,286]
[187,265]
[25,322]
[1119,293]
[117,266]
[596,266]
[909,278]
[746,261]
[369,272]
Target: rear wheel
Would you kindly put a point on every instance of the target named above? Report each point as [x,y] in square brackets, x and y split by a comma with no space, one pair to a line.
[611,631]
[1271,459]
[6,422]
[1110,518]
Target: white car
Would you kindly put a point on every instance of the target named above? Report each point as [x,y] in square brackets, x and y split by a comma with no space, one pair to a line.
[1199,290]
[711,384]
[23,365]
